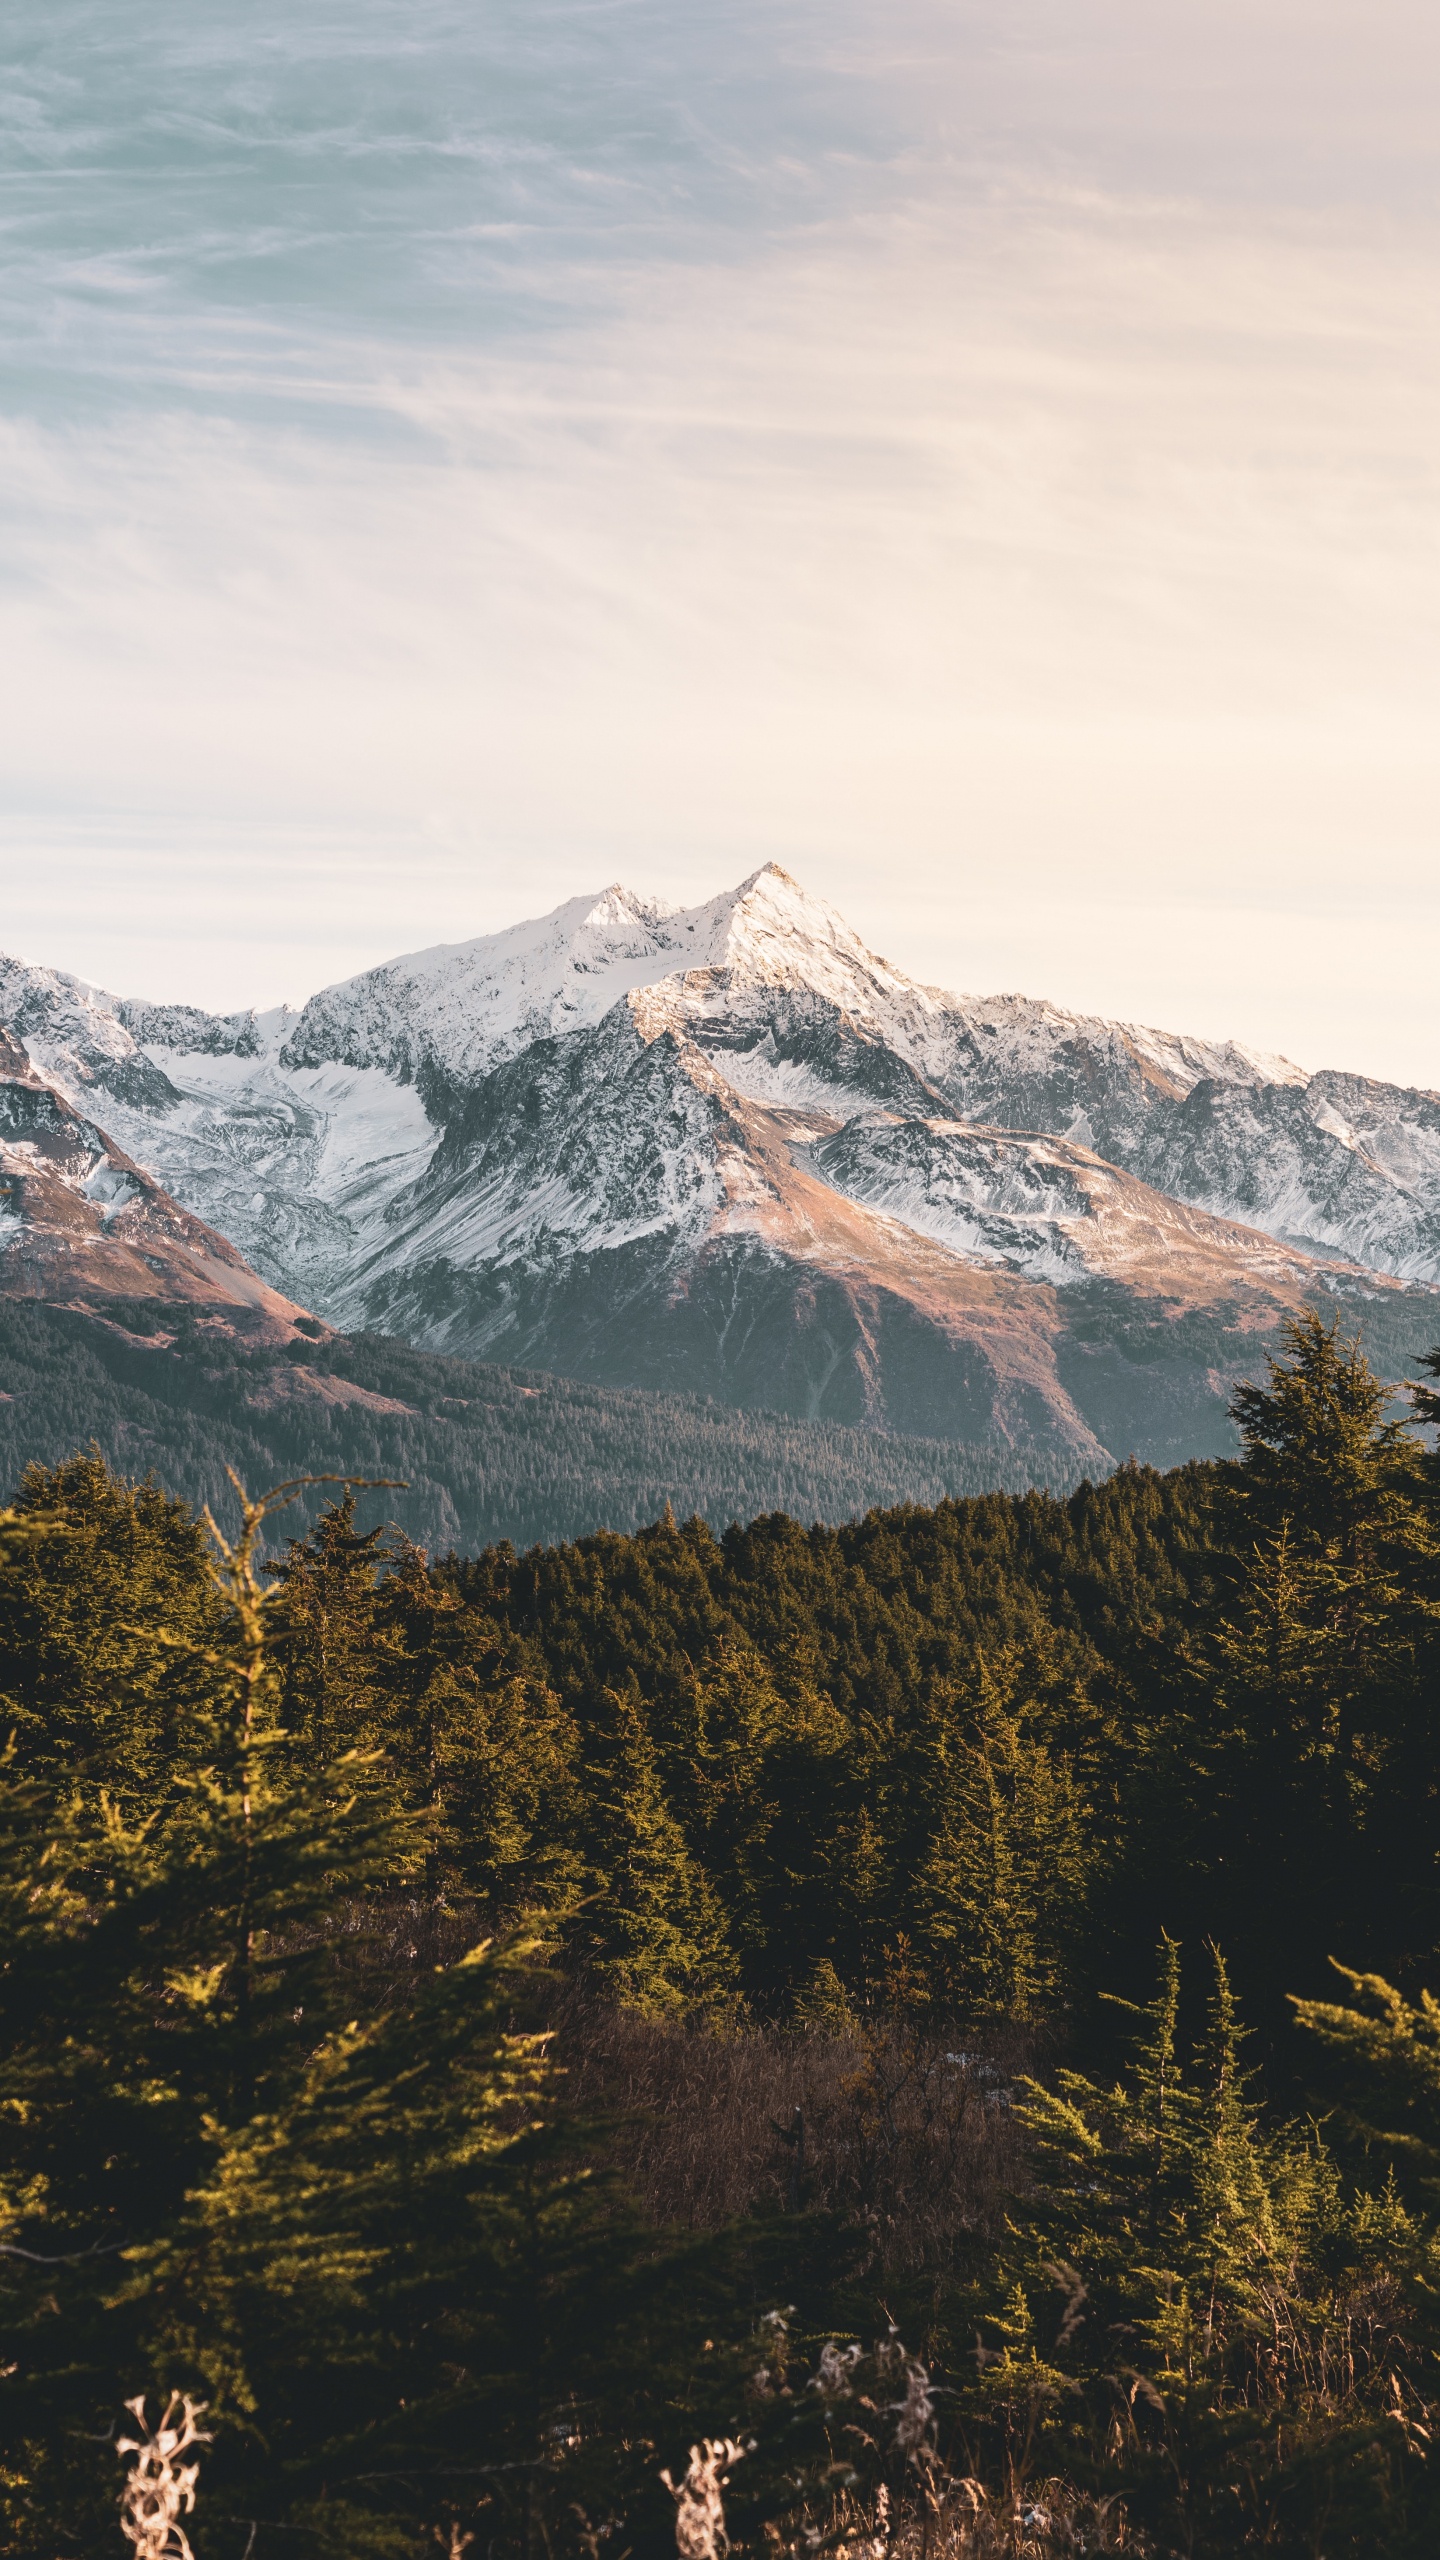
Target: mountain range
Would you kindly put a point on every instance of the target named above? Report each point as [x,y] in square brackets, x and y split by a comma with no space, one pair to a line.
[727,1150]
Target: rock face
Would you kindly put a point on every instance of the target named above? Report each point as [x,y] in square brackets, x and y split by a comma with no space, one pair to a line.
[728,1149]
[82,1225]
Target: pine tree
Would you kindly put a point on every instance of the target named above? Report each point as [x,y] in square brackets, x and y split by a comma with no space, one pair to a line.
[390,2288]
[94,1595]
[1175,2279]
[999,1900]
[410,2295]
[651,1929]
[487,1750]
[170,1973]
[1318,1448]
[1302,1781]
[738,1720]
[326,1633]
[1384,2050]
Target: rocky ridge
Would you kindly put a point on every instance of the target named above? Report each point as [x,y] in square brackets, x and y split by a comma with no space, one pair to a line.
[83,1225]
[729,1148]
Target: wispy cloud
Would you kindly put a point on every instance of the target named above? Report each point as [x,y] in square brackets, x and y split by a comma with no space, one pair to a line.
[985,455]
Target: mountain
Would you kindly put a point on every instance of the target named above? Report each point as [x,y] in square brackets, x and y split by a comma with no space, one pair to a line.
[82,1225]
[728,1150]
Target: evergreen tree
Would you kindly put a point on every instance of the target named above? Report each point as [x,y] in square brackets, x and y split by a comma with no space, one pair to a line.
[411,2296]
[1299,1794]
[738,1721]
[407,2295]
[105,1609]
[1000,1899]
[1177,2281]
[326,1634]
[651,1930]
[1385,2051]
[169,1975]
[482,1745]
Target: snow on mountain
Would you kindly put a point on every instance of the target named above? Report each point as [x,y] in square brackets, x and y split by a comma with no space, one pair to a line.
[298,1165]
[727,1146]
[293,1165]
[1044,1206]
[74,1035]
[452,1014]
[1338,1165]
[82,1225]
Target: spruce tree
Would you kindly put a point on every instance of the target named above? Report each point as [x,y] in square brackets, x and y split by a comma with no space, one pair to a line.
[406,2293]
[482,1746]
[1176,2280]
[331,2194]
[1000,1898]
[1299,1749]
[326,1633]
[105,1609]
[651,1929]
[739,1720]
[1384,2052]
[170,1973]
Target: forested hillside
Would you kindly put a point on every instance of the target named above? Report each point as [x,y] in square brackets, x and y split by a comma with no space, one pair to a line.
[481,2025]
[479,1452]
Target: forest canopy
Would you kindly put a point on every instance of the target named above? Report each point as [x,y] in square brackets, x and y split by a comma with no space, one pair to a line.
[479,2024]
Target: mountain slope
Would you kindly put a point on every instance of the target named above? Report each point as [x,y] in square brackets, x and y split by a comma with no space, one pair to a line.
[610,1205]
[728,1149]
[472,1454]
[80,1223]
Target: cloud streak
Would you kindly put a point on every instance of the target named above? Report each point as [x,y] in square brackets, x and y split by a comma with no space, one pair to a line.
[987,458]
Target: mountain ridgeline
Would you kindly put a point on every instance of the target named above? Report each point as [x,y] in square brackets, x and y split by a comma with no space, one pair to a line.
[727,1151]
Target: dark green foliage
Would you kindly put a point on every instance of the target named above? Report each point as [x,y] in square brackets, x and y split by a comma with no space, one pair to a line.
[1384,2056]
[166,1981]
[244,2154]
[1004,1888]
[277,2124]
[86,1688]
[1190,2310]
[1301,1785]
[652,1930]
[483,1452]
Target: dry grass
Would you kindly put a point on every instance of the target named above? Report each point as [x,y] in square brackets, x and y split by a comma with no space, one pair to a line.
[1051,2521]
[905,2132]
[907,2126]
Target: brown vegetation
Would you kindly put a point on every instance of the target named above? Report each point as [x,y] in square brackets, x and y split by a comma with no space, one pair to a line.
[887,2122]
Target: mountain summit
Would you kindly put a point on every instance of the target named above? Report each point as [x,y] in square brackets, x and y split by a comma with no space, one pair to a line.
[455,1012]
[728,1148]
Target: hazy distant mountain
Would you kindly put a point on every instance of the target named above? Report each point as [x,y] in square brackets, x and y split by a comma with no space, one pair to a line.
[726,1149]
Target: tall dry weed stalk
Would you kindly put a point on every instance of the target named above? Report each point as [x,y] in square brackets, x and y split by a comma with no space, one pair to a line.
[699,2499]
[883,2488]
[160,2487]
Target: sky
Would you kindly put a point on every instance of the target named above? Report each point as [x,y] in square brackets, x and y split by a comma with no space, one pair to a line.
[983,455]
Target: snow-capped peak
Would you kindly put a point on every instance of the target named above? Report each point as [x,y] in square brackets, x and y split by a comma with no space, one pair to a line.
[771,932]
[465,1007]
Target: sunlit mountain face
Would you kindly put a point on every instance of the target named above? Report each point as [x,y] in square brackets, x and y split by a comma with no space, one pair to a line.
[728,1149]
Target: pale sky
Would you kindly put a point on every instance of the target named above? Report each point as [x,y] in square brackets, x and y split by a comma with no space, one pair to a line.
[983,455]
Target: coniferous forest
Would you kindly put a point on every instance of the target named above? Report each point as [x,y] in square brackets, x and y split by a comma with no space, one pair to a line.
[920,2031]
[471,1451]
